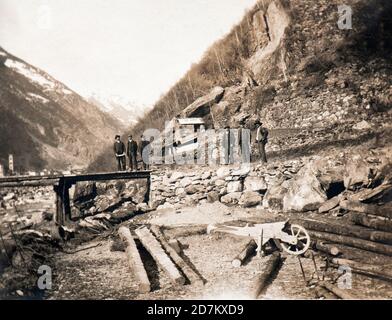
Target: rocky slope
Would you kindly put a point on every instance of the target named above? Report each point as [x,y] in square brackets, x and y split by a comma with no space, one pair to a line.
[315,85]
[43,123]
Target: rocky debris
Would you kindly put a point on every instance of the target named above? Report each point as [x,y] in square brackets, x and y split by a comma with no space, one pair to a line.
[122,199]
[98,223]
[21,254]
[84,194]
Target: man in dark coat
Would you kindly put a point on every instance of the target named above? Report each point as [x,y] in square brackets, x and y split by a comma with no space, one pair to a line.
[132,153]
[119,151]
[262,140]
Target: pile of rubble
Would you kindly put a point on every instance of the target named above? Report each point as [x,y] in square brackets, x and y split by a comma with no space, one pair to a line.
[97,206]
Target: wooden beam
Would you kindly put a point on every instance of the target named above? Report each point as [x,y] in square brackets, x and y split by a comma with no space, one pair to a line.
[347,230]
[192,276]
[155,249]
[327,248]
[383,272]
[342,294]
[59,213]
[186,230]
[27,181]
[370,194]
[371,222]
[246,252]
[108,176]
[262,279]
[322,292]
[375,210]
[353,242]
[135,261]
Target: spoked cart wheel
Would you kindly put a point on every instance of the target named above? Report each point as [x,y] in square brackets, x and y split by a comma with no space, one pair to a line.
[303,240]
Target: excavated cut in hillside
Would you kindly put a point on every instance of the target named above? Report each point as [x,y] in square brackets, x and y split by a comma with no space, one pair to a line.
[289,63]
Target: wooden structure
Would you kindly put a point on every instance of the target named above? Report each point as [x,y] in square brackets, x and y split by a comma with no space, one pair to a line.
[156,250]
[62,183]
[135,261]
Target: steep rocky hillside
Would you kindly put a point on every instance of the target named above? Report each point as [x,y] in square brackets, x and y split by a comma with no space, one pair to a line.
[44,124]
[315,85]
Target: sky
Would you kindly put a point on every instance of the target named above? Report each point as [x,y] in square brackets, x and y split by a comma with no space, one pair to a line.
[133,49]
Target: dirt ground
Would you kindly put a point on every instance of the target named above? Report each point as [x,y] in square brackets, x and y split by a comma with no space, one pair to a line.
[99,273]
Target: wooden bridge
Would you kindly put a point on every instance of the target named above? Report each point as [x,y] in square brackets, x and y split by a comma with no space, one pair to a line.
[62,183]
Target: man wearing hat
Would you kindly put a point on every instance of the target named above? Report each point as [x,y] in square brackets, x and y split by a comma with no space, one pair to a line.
[262,140]
[119,151]
[132,153]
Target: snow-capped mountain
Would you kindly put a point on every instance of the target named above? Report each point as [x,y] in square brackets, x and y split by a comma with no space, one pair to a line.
[45,124]
[123,110]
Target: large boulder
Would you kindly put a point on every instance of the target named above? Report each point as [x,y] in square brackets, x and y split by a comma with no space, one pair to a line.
[234,186]
[212,196]
[273,199]
[304,193]
[357,172]
[224,111]
[192,189]
[257,184]
[250,199]
[231,198]
[201,107]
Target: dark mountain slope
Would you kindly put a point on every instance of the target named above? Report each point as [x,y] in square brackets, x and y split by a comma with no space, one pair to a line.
[43,123]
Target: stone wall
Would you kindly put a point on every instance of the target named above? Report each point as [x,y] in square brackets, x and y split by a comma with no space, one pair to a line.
[300,185]
[242,186]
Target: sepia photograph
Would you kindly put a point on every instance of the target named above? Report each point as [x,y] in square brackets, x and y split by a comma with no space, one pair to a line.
[216,151]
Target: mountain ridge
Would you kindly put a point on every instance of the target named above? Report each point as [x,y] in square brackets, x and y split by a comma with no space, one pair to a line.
[44,123]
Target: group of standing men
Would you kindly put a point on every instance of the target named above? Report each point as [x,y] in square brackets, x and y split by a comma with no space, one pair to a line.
[121,152]
[243,140]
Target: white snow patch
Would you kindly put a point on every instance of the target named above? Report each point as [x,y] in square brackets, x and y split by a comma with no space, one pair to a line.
[29,73]
[3,54]
[38,97]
